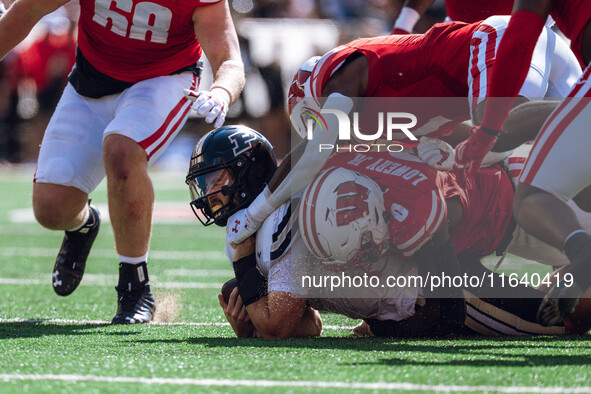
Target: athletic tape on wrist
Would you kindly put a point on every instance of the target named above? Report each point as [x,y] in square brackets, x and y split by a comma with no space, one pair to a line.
[260,208]
[252,285]
[407,19]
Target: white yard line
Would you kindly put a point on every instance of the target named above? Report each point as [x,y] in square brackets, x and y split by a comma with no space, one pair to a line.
[164,212]
[184,272]
[403,386]
[110,253]
[108,280]
[106,322]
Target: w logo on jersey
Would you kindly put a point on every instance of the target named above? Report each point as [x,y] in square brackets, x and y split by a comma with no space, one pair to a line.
[351,202]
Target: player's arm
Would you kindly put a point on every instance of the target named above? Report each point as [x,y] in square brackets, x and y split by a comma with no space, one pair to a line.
[349,81]
[522,125]
[279,315]
[510,69]
[269,325]
[20,18]
[276,314]
[346,83]
[309,157]
[514,57]
[215,31]
[409,15]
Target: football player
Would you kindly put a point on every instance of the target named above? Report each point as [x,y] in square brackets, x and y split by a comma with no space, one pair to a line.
[450,60]
[216,177]
[229,167]
[560,148]
[397,312]
[124,104]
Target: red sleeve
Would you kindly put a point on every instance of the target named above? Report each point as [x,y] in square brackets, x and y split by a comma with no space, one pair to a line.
[511,65]
[324,69]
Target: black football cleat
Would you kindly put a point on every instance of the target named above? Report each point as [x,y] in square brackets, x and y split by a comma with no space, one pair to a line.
[71,259]
[134,306]
[560,302]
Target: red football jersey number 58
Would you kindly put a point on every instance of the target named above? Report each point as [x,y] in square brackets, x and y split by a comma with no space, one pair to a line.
[150,21]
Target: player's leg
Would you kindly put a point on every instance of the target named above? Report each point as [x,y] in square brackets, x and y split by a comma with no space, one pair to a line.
[59,207]
[511,316]
[553,66]
[565,69]
[149,116]
[131,197]
[529,247]
[558,168]
[130,194]
[68,169]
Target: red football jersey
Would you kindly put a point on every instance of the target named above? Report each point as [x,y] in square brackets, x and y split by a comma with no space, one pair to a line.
[415,194]
[431,65]
[571,16]
[411,196]
[133,40]
[487,199]
[434,64]
[476,10]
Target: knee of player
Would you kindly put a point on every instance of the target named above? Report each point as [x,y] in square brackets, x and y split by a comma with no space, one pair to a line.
[123,157]
[49,212]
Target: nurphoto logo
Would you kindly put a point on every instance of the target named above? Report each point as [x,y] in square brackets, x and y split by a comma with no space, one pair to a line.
[388,122]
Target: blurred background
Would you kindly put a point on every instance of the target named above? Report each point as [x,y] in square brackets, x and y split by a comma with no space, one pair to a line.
[276,37]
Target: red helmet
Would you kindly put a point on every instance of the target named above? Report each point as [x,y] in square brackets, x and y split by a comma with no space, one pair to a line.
[296,89]
[296,94]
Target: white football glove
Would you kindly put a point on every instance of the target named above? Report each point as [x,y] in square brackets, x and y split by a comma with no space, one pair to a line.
[246,222]
[436,153]
[211,104]
[240,226]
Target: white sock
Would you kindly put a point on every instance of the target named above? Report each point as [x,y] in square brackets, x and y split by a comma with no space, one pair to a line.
[86,217]
[133,260]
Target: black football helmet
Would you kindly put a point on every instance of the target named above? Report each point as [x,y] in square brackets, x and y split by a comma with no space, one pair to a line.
[229,167]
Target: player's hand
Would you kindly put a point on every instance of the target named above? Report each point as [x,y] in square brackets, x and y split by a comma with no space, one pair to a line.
[234,309]
[436,153]
[398,30]
[212,104]
[240,226]
[469,154]
[236,314]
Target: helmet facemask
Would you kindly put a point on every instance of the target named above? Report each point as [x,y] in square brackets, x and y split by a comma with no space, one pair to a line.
[229,167]
[219,192]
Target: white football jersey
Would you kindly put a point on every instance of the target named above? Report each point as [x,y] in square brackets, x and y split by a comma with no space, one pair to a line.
[283,258]
[273,238]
